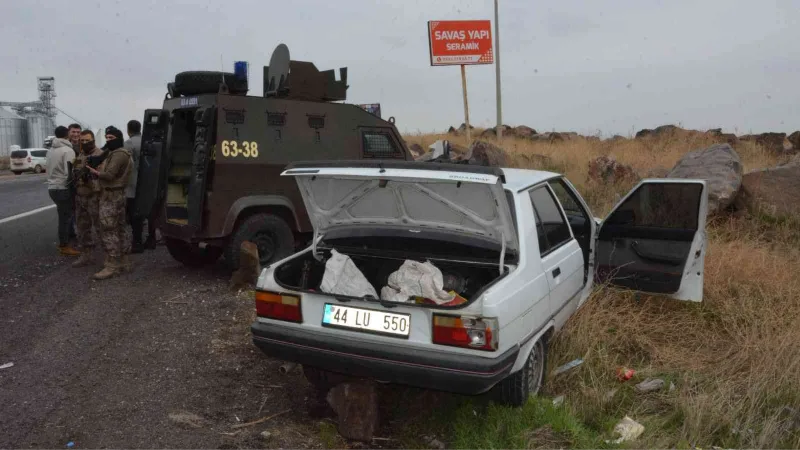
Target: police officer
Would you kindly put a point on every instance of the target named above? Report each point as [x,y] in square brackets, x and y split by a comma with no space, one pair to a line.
[87,198]
[113,173]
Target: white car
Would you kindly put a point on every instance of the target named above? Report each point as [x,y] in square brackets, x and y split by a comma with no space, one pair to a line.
[520,248]
[29,160]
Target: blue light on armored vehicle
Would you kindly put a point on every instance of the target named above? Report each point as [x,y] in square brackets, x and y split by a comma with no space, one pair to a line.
[240,69]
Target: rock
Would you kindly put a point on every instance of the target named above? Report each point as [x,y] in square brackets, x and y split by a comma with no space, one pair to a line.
[607,169]
[524,132]
[492,132]
[649,385]
[773,142]
[657,172]
[617,137]
[416,150]
[266,434]
[548,137]
[356,405]
[249,267]
[715,131]
[794,139]
[434,443]
[662,131]
[452,131]
[772,192]
[720,166]
[482,153]
[463,127]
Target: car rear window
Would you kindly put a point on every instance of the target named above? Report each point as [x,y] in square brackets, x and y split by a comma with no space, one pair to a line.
[19,154]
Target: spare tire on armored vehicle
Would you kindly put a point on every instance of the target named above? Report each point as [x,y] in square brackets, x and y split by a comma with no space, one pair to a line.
[205,81]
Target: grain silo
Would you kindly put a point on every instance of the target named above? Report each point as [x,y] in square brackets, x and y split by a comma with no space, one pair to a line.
[13,131]
[39,127]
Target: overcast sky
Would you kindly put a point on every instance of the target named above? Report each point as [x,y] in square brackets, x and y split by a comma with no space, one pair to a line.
[586,66]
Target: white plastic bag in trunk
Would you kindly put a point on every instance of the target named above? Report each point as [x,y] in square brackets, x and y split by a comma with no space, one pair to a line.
[416,279]
[343,277]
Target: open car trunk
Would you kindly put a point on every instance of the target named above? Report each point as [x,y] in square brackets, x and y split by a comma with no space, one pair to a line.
[447,228]
[462,280]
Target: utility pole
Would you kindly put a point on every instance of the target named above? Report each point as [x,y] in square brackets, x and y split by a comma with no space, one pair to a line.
[497,72]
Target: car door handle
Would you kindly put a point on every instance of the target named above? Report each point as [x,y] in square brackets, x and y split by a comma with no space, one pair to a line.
[556,272]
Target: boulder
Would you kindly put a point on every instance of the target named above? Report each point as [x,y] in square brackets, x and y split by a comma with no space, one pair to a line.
[794,139]
[463,127]
[773,142]
[482,153]
[416,150]
[356,405]
[607,169]
[550,137]
[249,267]
[492,132]
[662,131]
[452,131]
[772,192]
[524,132]
[720,166]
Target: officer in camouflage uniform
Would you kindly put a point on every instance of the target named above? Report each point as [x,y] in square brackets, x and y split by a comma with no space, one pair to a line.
[113,173]
[87,198]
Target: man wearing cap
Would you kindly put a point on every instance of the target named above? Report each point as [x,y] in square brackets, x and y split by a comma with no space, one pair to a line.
[87,198]
[113,174]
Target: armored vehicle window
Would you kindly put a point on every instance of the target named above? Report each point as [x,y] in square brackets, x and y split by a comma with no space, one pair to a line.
[379,145]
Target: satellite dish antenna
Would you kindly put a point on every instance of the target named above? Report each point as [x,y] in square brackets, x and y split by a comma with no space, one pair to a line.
[278,69]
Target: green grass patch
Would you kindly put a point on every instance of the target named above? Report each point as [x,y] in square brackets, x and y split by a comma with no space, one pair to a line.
[466,423]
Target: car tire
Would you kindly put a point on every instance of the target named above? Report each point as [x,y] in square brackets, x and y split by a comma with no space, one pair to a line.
[37,169]
[206,82]
[518,387]
[191,255]
[271,234]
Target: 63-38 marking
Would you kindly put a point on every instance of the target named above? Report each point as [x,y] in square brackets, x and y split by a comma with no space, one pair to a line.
[247,149]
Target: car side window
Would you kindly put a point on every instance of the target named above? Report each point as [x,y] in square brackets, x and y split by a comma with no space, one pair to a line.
[551,227]
[666,205]
[39,153]
[577,216]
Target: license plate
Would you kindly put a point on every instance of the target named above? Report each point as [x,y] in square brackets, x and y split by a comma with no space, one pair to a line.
[367,320]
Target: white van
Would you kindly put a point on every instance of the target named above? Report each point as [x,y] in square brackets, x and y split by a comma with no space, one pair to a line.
[29,160]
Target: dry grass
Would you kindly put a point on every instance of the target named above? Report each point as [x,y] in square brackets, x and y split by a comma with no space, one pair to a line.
[5,162]
[734,359]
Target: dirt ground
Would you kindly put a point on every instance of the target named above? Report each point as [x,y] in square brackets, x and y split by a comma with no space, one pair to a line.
[157,358]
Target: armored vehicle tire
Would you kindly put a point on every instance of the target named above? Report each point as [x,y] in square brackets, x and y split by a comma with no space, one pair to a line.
[204,82]
[191,255]
[526,382]
[271,234]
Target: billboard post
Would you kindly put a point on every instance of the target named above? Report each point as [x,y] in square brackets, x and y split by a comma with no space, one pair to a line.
[466,105]
[463,43]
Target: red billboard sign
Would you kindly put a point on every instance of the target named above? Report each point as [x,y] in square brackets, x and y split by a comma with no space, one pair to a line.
[460,42]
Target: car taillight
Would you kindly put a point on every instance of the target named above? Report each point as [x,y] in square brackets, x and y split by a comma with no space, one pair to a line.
[278,306]
[466,332]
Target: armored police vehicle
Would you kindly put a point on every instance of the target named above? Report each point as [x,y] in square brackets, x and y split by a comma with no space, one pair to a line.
[212,155]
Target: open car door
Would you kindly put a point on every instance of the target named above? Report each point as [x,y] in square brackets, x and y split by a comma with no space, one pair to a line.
[654,240]
[152,163]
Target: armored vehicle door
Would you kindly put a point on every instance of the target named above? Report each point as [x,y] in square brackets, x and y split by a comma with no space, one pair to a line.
[151,184]
[204,139]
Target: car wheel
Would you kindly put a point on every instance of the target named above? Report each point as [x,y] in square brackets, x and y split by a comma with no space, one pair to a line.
[191,255]
[37,169]
[271,234]
[526,382]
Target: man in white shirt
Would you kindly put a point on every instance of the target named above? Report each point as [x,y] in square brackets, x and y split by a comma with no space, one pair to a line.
[59,178]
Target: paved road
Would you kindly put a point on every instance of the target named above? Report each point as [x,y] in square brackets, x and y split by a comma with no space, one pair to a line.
[21,193]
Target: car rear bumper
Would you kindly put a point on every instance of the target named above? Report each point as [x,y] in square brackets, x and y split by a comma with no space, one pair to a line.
[457,373]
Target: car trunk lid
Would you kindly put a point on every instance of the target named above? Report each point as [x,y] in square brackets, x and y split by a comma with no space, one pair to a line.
[409,199]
